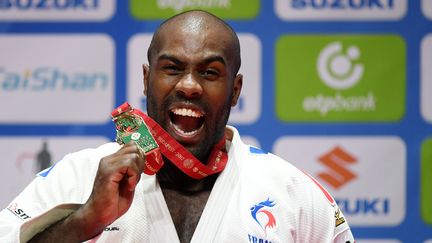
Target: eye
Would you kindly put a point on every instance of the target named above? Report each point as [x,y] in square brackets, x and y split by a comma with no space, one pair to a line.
[171,69]
[210,74]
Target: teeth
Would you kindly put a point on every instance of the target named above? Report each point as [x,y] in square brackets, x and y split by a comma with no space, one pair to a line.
[187,112]
[184,132]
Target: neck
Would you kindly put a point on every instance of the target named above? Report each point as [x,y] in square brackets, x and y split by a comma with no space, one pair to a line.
[170,177]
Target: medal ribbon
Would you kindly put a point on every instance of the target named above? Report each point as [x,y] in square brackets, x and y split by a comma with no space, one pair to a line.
[177,154]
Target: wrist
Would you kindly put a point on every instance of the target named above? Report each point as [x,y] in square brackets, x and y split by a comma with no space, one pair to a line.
[85,225]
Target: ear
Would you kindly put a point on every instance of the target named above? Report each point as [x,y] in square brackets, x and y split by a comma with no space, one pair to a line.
[146,74]
[237,86]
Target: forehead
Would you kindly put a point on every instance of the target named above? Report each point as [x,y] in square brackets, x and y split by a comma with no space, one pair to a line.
[194,39]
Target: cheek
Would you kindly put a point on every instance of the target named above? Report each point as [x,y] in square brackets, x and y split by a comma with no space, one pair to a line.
[159,87]
[154,98]
[219,97]
[219,86]
[222,91]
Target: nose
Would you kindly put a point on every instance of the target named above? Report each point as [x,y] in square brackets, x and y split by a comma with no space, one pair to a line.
[189,86]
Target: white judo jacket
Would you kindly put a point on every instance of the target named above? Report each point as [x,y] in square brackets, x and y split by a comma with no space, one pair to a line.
[257,198]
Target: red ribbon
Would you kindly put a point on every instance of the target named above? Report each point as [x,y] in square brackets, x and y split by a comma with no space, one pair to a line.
[176,153]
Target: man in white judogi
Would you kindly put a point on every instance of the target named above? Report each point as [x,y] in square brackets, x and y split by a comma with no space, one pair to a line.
[101,194]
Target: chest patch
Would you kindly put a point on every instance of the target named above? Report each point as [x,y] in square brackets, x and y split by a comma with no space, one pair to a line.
[263,216]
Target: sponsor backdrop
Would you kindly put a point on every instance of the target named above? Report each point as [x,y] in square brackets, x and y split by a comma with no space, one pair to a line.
[340,88]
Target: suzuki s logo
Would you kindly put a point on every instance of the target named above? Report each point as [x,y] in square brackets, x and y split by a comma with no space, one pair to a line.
[336,160]
[337,69]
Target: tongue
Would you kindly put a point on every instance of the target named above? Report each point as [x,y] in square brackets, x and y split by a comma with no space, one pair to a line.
[186,123]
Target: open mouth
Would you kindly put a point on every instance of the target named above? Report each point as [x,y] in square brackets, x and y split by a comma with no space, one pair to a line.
[186,121]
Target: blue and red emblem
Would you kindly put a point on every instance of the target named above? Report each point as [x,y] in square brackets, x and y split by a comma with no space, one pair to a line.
[266,221]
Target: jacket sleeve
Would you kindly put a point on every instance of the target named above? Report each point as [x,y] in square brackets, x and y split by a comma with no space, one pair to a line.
[342,231]
[51,195]
[328,217]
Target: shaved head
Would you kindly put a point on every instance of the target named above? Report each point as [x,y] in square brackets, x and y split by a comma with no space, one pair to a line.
[202,23]
[192,79]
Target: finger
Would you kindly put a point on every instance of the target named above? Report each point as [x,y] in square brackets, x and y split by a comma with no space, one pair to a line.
[133,148]
[131,172]
[132,181]
[130,147]
[141,160]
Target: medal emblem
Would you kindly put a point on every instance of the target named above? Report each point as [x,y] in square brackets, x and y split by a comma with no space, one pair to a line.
[130,126]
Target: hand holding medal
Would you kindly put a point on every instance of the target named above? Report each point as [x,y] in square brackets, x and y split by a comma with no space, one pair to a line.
[131,126]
